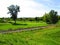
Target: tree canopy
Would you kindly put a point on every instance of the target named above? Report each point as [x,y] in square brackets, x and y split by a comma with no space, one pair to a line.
[13,10]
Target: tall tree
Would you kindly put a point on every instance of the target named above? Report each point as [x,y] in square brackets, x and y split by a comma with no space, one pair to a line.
[53,16]
[13,10]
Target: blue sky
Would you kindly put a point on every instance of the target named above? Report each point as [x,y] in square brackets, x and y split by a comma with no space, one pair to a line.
[50,4]
[30,8]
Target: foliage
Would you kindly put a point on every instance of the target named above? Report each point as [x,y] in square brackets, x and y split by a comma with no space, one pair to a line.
[13,10]
[59,17]
[3,20]
[51,17]
[38,18]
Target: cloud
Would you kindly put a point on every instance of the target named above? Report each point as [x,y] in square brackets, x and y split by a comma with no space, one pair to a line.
[32,9]
[28,8]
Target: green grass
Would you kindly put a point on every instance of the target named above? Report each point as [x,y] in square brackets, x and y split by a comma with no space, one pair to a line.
[21,24]
[46,36]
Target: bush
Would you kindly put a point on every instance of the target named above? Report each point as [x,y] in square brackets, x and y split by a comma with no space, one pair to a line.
[3,20]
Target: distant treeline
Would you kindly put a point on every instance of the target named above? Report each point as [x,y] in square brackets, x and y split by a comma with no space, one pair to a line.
[27,19]
[23,19]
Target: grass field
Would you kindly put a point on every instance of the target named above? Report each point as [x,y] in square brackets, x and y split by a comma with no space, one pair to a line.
[46,36]
[21,24]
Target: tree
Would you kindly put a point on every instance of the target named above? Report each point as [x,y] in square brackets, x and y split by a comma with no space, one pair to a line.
[59,17]
[13,10]
[37,18]
[46,18]
[51,17]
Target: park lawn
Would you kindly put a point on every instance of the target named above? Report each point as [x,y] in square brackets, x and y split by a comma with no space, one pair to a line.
[21,24]
[46,36]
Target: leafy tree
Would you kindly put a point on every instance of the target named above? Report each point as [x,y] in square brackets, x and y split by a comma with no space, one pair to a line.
[13,10]
[51,17]
[46,18]
[37,19]
[59,17]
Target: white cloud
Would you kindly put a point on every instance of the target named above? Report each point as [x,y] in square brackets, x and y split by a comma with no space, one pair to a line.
[29,8]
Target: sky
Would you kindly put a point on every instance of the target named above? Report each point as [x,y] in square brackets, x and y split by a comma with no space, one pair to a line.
[30,8]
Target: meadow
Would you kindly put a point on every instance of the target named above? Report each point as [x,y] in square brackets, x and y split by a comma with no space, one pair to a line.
[21,24]
[45,36]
